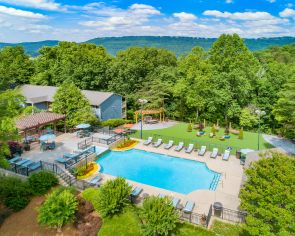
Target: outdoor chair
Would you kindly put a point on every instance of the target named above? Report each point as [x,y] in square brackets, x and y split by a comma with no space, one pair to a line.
[34,166]
[175,201]
[13,160]
[226,155]
[94,181]
[214,153]
[148,141]
[169,144]
[21,162]
[29,162]
[179,147]
[202,151]
[190,148]
[189,206]
[135,193]
[158,143]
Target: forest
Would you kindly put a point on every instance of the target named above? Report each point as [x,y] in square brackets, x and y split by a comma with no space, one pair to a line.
[226,83]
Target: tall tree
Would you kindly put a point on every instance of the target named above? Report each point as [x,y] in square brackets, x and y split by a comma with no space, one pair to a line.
[131,67]
[70,101]
[15,67]
[284,109]
[234,76]
[10,107]
[83,64]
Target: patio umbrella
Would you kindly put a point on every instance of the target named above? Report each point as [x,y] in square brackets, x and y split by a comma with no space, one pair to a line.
[118,131]
[128,126]
[47,137]
[245,151]
[83,126]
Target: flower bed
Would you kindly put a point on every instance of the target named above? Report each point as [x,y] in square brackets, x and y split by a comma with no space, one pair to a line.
[84,171]
[126,145]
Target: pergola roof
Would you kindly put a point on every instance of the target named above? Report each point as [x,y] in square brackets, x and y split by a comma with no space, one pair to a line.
[150,111]
[38,120]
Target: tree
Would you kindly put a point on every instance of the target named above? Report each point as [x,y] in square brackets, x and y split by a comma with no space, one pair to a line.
[112,197]
[70,101]
[159,216]
[268,196]
[58,209]
[234,76]
[85,65]
[284,109]
[10,107]
[248,118]
[15,67]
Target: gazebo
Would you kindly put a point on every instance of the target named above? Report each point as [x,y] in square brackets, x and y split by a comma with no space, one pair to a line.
[39,120]
[160,111]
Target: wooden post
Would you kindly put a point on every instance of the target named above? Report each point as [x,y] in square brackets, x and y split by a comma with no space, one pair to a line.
[136,118]
[160,117]
[230,125]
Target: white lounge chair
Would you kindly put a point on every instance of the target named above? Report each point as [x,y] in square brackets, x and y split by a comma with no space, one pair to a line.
[158,143]
[189,206]
[190,148]
[148,141]
[226,155]
[179,147]
[202,151]
[214,153]
[169,144]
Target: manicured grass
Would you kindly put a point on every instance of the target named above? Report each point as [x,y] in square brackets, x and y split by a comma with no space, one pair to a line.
[226,229]
[186,229]
[179,133]
[124,224]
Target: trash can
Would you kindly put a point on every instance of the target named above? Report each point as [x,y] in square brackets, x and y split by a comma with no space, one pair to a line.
[238,154]
[218,207]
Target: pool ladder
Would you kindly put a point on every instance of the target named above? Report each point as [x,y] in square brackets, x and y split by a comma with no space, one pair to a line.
[214,182]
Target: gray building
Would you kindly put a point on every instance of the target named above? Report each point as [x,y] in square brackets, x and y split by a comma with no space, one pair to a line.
[106,105]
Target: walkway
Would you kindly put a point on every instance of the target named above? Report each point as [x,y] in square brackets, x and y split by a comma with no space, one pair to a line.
[282,143]
[160,125]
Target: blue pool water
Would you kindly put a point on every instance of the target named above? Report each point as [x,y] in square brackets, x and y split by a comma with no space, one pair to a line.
[162,171]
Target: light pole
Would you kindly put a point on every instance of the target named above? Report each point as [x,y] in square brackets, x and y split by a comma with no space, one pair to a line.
[142,102]
[260,113]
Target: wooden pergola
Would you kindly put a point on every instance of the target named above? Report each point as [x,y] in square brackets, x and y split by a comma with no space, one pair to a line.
[160,111]
[39,120]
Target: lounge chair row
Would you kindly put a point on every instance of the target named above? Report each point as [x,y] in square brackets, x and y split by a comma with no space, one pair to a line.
[188,149]
[188,208]
[24,163]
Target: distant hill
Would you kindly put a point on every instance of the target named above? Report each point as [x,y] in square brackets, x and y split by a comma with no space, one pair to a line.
[179,45]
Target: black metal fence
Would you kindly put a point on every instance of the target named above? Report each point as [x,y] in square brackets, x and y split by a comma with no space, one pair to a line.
[91,140]
[227,214]
[80,157]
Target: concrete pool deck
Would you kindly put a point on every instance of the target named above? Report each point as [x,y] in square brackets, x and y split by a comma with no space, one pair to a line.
[227,191]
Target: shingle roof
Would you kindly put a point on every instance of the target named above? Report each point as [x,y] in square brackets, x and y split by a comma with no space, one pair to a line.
[38,119]
[37,93]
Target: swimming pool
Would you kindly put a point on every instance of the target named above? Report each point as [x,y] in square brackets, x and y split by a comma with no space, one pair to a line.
[162,171]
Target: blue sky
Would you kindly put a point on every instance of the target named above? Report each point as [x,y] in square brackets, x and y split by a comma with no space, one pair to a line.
[80,20]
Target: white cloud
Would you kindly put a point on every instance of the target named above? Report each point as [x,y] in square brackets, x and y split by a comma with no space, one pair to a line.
[183,16]
[144,9]
[38,4]
[20,13]
[239,15]
[229,1]
[271,1]
[288,12]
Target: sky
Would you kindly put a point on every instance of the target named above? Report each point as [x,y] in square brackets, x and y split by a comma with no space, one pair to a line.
[81,20]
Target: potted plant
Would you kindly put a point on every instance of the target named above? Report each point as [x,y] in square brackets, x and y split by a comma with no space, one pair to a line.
[27,146]
[203,219]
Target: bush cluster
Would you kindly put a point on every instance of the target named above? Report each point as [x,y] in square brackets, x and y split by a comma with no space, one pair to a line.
[41,182]
[84,169]
[126,143]
[16,194]
[58,209]
[115,122]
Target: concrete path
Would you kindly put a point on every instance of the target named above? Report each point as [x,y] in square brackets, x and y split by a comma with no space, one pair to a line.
[160,125]
[281,143]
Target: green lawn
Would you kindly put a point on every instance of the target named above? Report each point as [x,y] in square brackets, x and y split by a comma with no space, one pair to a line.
[125,224]
[179,133]
[187,229]
[226,229]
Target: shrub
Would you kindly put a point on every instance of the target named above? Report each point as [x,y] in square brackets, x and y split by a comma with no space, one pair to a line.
[241,134]
[84,169]
[268,196]
[112,197]
[14,193]
[115,122]
[159,216]
[58,209]
[126,143]
[42,181]
[189,127]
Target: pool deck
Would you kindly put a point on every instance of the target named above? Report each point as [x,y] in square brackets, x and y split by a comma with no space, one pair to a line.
[226,192]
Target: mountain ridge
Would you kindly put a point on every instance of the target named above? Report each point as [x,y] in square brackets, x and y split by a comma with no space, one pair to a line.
[178,44]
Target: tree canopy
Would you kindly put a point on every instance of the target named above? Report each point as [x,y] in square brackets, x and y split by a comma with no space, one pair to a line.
[268,196]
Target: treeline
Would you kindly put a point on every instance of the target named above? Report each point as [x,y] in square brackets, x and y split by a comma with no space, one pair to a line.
[227,83]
